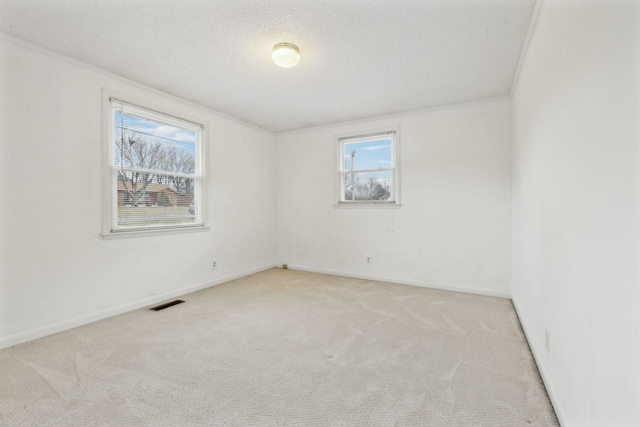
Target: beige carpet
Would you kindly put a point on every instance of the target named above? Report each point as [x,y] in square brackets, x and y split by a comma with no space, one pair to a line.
[285,348]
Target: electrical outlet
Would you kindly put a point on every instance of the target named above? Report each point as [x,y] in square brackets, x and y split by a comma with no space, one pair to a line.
[214,265]
[547,340]
[368,260]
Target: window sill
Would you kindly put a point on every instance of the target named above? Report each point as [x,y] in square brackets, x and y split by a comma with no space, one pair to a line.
[156,232]
[367,205]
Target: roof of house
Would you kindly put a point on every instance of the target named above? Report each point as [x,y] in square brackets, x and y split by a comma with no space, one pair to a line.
[151,188]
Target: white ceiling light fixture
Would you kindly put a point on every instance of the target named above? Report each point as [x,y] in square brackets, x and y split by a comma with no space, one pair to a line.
[286,55]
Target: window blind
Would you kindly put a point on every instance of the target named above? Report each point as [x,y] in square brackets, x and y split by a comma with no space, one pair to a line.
[157,173]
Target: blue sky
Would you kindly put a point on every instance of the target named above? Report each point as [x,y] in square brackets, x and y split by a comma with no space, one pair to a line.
[153,132]
[369,154]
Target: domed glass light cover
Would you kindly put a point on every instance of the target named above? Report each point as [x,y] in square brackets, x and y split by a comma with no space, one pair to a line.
[286,55]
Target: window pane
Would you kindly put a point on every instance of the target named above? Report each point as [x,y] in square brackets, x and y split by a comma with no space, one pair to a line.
[155,200]
[367,185]
[157,170]
[368,154]
[141,142]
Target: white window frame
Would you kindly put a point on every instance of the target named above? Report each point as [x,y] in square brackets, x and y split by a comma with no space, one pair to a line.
[342,139]
[110,177]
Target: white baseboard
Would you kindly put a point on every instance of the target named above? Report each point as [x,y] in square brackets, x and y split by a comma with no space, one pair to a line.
[36,333]
[410,282]
[32,334]
[551,390]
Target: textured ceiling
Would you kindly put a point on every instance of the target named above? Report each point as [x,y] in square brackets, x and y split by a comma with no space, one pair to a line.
[359,58]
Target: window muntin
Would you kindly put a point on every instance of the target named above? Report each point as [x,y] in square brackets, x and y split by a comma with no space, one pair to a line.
[368,169]
[156,170]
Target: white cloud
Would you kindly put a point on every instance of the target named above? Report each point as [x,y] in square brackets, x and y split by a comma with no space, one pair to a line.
[184,136]
[172,132]
[376,147]
[164,131]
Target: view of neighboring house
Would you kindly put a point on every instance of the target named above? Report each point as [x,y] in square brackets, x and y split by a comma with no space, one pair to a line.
[153,194]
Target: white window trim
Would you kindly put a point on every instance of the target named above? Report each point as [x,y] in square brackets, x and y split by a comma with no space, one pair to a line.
[109,197]
[339,201]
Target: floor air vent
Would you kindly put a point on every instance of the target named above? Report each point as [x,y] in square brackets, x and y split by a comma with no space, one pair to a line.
[167,305]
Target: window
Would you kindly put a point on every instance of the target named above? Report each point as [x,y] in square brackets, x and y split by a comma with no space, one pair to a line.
[155,170]
[368,169]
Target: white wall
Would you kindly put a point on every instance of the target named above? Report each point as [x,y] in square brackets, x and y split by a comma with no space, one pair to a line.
[576,208]
[453,228]
[55,269]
